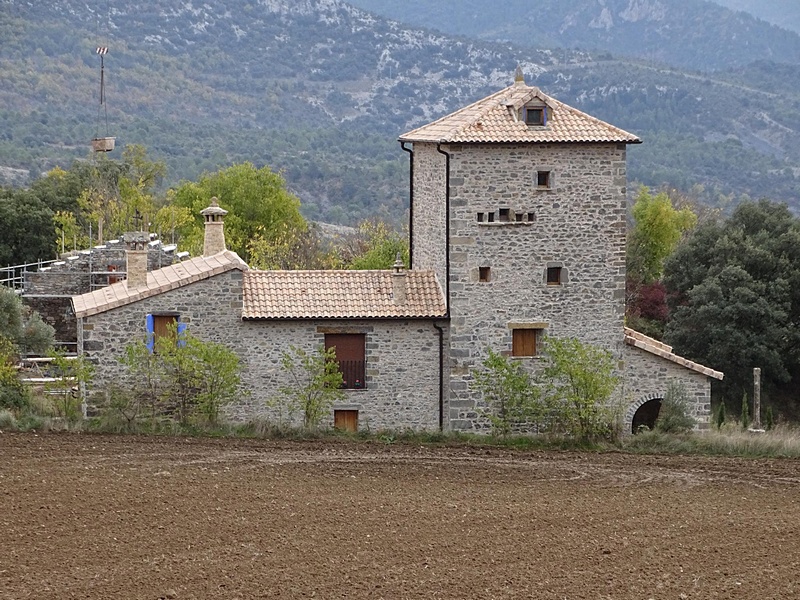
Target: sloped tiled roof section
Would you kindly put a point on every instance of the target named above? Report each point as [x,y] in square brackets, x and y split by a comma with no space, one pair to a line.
[496,119]
[653,346]
[158,282]
[339,295]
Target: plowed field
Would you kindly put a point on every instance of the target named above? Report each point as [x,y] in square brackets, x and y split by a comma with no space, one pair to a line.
[123,517]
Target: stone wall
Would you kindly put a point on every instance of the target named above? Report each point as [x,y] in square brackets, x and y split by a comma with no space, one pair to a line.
[71,276]
[577,224]
[402,356]
[647,376]
[429,241]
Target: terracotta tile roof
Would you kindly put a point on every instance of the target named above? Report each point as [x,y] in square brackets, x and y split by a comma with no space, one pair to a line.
[648,344]
[159,281]
[339,295]
[496,119]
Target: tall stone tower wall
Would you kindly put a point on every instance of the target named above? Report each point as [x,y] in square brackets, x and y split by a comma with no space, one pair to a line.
[575,223]
[430,224]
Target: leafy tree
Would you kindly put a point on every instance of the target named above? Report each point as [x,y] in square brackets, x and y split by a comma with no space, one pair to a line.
[21,327]
[658,227]
[292,248]
[315,384]
[734,294]
[27,228]
[183,375]
[260,206]
[578,382]
[375,246]
[510,395]
[217,377]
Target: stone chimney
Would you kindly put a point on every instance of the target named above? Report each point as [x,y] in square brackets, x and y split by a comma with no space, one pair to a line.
[215,236]
[136,258]
[519,77]
[399,282]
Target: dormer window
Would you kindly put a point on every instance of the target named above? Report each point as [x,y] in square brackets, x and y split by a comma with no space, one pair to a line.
[535,115]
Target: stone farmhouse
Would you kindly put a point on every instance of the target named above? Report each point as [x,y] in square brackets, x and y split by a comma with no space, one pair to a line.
[517,230]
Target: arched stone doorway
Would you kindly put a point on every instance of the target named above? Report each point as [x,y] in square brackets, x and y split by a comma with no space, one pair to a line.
[644,412]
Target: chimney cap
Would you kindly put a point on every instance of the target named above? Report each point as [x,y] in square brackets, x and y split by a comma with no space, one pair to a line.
[214,209]
[398,264]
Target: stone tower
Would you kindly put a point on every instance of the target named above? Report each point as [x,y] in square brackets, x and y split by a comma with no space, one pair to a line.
[518,204]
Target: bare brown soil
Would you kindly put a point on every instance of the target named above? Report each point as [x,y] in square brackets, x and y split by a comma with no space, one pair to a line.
[122,517]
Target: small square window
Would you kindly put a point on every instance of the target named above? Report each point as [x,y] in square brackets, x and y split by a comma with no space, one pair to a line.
[490,217]
[518,217]
[553,275]
[535,116]
[531,217]
[480,217]
[525,342]
[543,179]
[485,273]
[505,214]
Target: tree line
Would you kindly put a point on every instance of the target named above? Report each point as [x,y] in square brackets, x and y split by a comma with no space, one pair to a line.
[724,292]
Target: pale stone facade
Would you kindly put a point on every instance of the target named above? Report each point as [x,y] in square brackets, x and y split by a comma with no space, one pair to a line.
[525,224]
[402,356]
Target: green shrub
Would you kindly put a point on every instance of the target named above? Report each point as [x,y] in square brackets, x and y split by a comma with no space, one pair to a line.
[315,385]
[578,382]
[745,418]
[719,417]
[769,419]
[510,396]
[8,420]
[674,414]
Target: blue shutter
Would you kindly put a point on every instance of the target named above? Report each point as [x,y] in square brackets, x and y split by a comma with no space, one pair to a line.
[151,335]
[544,115]
[181,335]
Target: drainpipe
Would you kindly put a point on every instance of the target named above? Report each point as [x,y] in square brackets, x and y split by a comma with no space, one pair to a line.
[410,203]
[446,224]
[440,329]
[447,282]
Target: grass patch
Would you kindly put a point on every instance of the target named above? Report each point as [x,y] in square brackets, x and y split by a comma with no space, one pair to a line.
[781,442]
[731,440]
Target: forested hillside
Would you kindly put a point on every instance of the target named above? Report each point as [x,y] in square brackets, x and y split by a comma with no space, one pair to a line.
[784,13]
[321,90]
[691,34]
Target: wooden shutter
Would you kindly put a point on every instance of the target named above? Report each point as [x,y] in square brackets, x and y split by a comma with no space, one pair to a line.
[523,342]
[349,346]
[351,356]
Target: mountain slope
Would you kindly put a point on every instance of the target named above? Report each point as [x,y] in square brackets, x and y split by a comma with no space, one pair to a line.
[783,13]
[321,90]
[691,34]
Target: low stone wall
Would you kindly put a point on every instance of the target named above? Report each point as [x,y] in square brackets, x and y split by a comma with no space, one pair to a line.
[647,376]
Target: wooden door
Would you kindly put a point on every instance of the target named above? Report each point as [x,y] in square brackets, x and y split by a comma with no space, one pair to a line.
[346,420]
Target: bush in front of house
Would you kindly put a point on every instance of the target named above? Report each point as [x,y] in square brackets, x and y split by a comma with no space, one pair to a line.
[674,414]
